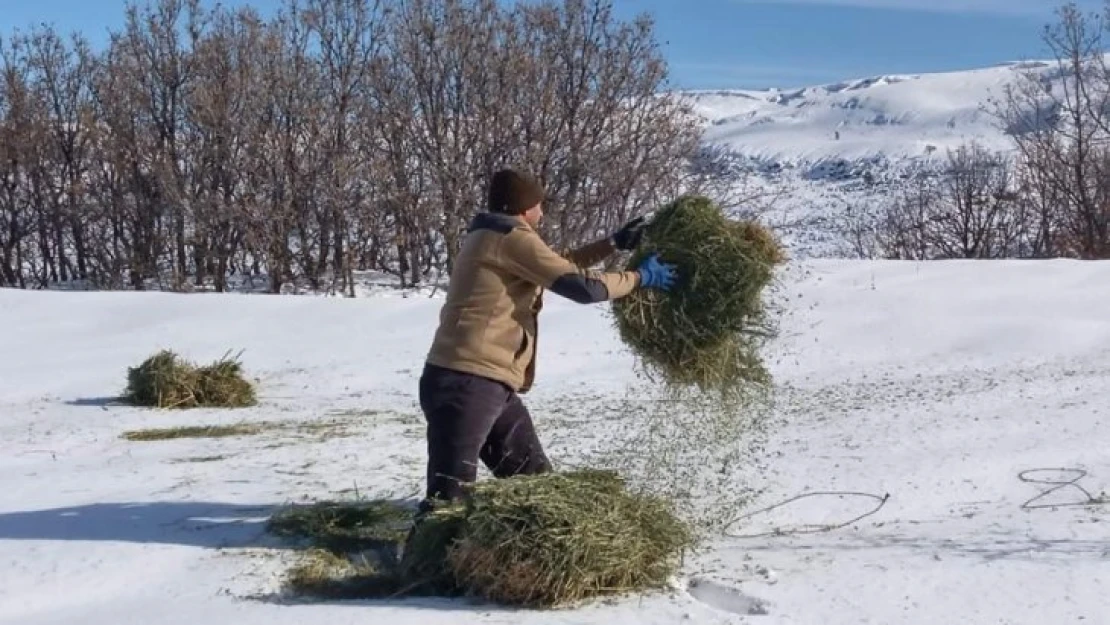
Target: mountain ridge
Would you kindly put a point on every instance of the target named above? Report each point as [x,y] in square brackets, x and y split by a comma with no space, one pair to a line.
[821,148]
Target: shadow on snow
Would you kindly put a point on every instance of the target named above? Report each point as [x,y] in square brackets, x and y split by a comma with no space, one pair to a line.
[190,523]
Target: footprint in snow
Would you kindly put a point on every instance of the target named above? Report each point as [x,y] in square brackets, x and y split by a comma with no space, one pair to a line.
[724,598]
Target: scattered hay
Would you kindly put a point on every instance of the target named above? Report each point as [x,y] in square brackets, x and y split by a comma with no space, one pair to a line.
[325,430]
[202,431]
[344,527]
[548,541]
[530,541]
[322,431]
[324,574]
[353,548]
[356,412]
[199,459]
[707,331]
[697,452]
[167,381]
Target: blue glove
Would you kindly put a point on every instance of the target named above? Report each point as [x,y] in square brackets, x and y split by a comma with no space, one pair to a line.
[656,275]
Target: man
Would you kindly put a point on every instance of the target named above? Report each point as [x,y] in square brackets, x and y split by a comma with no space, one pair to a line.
[483,355]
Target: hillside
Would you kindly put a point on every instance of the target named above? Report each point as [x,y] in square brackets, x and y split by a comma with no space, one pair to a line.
[827,146]
[939,384]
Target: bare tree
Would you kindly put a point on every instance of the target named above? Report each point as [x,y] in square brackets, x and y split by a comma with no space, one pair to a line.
[1059,123]
[62,81]
[350,33]
[973,216]
[337,136]
[903,230]
[20,133]
[223,96]
[858,223]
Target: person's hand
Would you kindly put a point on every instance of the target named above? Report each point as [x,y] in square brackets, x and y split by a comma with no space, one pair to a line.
[656,275]
[628,237]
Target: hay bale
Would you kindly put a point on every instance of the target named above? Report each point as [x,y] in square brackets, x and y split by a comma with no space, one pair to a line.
[706,332]
[165,380]
[547,541]
[424,568]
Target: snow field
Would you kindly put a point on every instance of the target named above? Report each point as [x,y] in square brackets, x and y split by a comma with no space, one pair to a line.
[936,383]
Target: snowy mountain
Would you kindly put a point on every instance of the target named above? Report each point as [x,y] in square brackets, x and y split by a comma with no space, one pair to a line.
[827,146]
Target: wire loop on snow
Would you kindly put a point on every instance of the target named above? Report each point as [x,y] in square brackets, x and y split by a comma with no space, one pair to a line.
[811,529]
[1056,485]
[1025,476]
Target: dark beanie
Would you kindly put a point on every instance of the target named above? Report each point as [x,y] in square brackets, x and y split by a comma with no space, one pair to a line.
[513,193]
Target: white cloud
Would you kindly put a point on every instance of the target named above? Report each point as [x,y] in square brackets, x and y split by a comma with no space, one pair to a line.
[1040,8]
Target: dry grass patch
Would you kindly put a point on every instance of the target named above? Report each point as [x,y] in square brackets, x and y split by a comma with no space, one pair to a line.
[199,459]
[377,416]
[327,575]
[355,412]
[319,431]
[200,431]
[324,430]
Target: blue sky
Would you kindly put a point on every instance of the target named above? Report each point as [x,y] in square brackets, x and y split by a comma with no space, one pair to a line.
[750,44]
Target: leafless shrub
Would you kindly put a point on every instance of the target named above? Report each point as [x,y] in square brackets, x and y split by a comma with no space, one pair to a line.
[204,146]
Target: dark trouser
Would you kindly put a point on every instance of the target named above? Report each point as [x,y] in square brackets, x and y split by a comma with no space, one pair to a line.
[471,418]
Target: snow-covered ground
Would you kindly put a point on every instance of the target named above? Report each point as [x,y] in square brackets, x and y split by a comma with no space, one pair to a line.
[936,383]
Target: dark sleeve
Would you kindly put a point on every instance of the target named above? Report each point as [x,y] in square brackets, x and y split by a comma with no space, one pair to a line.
[525,255]
[579,288]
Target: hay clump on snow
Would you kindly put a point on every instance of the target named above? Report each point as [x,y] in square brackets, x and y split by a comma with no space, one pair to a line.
[165,380]
[325,574]
[707,331]
[528,541]
[343,527]
[547,541]
[352,551]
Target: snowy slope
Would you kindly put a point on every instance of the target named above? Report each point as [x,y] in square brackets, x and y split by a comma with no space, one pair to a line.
[892,118]
[883,117]
[824,147]
[936,383]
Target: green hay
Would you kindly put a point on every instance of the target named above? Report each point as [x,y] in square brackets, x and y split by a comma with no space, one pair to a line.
[326,575]
[548,541]
[167,381]
[707,331]
[344,526]
[536,541]
[353,548]
[221,384]
[424,568]
[204,431]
